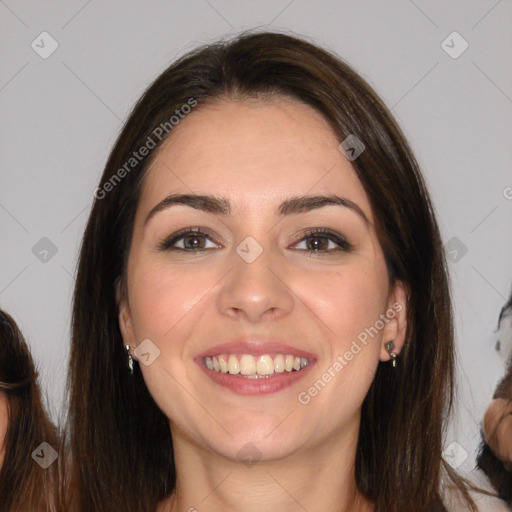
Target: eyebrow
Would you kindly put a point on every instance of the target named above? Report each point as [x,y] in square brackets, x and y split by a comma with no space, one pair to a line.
[221,206]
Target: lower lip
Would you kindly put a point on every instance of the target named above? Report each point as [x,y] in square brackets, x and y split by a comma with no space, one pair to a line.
[243,386]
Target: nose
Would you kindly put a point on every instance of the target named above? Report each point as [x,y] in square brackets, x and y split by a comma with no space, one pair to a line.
[256,291]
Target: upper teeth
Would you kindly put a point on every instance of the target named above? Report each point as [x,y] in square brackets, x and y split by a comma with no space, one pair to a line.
[251,366]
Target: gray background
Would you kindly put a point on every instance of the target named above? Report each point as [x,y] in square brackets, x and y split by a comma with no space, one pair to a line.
[60,117]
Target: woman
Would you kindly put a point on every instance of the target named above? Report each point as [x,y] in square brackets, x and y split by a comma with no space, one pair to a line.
[261,316]
[28,468]
[495,457]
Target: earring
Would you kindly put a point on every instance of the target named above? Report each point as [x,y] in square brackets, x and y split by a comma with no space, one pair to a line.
[130,360]
[390,345]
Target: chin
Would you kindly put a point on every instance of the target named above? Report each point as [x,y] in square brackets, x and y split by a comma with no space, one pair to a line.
[266,439]
[250,452]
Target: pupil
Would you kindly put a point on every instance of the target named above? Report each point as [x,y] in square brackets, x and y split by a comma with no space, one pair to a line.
[194,241]
[316,243]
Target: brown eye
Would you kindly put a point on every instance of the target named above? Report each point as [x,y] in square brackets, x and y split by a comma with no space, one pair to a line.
[189,240]
[323,240]
[193,241]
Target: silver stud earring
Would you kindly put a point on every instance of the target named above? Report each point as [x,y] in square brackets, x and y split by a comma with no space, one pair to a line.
[130,360]
[390,345]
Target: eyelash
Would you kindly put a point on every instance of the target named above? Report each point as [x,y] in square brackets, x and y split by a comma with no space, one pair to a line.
[322,233]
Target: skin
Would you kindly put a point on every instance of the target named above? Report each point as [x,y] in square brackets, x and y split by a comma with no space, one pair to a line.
[498,429]
[4,422]
[257,154]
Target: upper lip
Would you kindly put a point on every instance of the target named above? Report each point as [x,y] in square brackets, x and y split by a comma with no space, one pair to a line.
[255,347]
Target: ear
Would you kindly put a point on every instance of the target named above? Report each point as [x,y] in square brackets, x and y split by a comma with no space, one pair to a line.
[125,320]
[396,325]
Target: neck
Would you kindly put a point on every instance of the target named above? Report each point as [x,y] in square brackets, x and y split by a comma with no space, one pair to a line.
[316,479]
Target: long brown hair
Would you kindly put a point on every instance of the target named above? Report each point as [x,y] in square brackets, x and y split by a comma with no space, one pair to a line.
[24,485]
[120,440]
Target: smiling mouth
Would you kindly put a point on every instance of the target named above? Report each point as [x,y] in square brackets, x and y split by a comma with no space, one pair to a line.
[255,367]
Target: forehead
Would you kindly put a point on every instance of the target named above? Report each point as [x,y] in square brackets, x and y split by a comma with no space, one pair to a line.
[255,152]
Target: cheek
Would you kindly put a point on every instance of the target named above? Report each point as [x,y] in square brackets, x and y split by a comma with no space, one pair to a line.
[349,302]
[160,296]
[166,303]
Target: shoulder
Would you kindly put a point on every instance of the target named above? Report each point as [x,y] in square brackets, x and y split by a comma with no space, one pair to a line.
[454,501]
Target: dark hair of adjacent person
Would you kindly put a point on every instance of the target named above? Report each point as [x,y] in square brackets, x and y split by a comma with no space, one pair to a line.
[120,440]
[499,475]
[24,485]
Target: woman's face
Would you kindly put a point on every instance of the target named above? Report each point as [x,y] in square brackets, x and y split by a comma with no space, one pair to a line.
[498,428]
[4,423]
[258,293]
